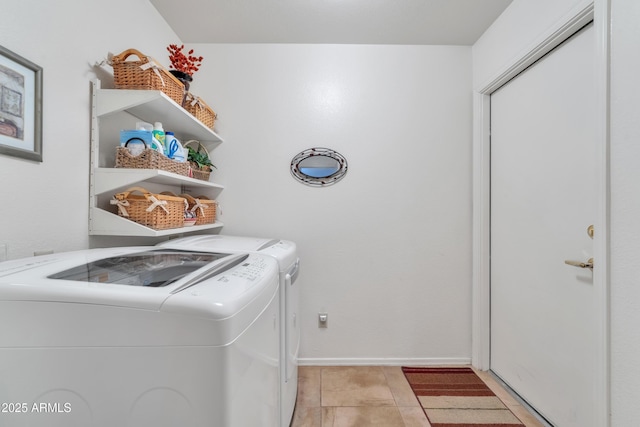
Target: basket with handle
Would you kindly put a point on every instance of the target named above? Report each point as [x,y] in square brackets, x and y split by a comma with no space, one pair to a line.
[200,110]
[149,159]
[156,211]
[196,171]
[203,207]
[145,73]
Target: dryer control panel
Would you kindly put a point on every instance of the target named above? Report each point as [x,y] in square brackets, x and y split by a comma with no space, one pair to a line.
[250,270]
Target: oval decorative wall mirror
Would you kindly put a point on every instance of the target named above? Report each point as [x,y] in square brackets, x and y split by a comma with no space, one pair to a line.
[319,167]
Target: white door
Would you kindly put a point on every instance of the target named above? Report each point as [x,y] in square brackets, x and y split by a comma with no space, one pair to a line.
[542,202]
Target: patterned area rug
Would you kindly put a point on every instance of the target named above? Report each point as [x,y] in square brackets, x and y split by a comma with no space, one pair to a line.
[457,397]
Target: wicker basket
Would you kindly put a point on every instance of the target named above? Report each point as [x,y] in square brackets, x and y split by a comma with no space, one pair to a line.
[150,159]
[157,211]
[205,209]
[199,173]
[196,172]
[200,110]
[146,74]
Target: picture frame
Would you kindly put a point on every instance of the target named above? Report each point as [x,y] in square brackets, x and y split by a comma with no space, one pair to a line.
[20,107]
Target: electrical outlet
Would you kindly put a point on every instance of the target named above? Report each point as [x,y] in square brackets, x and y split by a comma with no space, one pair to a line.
[323,320]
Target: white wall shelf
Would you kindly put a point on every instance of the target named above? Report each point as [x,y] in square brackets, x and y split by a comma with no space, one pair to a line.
[112,179]
[104,223]
[149,106]
[153,106]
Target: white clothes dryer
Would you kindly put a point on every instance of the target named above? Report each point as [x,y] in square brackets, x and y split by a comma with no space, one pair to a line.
[140,336]
[285,252]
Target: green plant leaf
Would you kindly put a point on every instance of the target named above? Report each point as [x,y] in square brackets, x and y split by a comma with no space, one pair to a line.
[201,159]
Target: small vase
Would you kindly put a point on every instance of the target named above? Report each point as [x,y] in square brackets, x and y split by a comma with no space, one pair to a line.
[185,79]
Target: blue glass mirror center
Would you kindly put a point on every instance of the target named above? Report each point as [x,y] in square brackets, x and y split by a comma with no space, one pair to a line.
[319,166]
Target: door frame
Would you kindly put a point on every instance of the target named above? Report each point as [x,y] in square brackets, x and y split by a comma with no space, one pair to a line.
[598,12]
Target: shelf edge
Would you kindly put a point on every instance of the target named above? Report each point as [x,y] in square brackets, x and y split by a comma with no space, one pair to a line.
[103,223]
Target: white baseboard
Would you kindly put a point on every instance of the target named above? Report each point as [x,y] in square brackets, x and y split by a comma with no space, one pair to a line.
[444,361]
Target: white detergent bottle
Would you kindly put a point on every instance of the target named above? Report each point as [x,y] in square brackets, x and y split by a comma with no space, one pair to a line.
[175,150]
[158,134]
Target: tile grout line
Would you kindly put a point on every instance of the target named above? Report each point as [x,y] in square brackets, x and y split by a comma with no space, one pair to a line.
[422,410]
[386,378]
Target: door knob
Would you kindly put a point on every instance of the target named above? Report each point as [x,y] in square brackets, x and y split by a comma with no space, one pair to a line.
[588,264]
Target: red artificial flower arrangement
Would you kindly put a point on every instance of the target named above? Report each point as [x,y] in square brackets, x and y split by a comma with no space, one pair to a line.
[188,63]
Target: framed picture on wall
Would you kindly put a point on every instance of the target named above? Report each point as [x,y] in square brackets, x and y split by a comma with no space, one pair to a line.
[20,107]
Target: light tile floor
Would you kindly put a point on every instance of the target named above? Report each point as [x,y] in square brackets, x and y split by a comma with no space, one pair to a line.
[369,396]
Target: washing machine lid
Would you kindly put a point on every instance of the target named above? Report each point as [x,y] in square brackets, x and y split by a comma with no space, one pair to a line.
[70,258]
[138,277]
[154,268]
[284,251]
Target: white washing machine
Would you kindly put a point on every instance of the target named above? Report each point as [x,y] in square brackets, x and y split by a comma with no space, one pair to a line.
[285,252]
[139,336]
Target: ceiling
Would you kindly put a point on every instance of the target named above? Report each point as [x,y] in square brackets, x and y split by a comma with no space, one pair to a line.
[407,22]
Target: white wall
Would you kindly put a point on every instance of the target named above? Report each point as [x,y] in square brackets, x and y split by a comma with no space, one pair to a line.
[44,206]
[386,251]
[625,212]
[523,25]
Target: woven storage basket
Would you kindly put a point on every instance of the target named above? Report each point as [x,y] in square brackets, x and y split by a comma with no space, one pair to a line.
[199,173]
[200,110]
[145,73]
[149,159]
[157,211]
[204,208]
[196,172]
